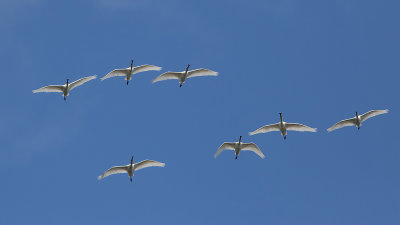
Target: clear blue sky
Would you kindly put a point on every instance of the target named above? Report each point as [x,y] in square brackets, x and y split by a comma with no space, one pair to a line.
[317,62]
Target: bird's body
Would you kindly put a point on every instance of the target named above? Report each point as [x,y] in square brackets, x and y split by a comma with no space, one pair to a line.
[357,120]
[130,168]
[182,76]
[66,88]
[239,146]
[283,127]
[128,72]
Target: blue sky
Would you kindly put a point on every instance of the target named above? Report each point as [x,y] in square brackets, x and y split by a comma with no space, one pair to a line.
[317,62]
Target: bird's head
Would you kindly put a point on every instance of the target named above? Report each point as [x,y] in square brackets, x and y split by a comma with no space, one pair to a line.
[132,159]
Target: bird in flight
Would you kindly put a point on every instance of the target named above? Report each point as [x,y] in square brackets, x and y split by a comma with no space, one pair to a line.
[131,168]
[239,146]
[357,120]
[128,72]
[182,76]
[66,88]
[283,127]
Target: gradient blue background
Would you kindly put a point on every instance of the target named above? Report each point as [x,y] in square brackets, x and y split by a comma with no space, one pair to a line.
[317,62]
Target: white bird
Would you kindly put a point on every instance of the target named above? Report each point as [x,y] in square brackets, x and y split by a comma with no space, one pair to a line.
[239,146]
[283,127]
[130,168]
[182,76]
[357,120]
[66,88]
[128,72]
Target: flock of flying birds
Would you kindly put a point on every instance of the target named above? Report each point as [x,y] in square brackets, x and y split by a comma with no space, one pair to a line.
[237,147]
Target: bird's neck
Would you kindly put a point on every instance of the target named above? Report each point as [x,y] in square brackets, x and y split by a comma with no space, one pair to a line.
[187,68]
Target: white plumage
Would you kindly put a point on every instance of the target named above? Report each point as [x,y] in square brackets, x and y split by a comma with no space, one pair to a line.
[66,88]
[128,72]
[239,146]
[283,127]
[357,120]
[130,168]
[182,76]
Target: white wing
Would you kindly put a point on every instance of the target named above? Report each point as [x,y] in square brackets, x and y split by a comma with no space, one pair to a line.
[343,123]
[50,88]
[144,68]
[169,76]
[252,147]
[266,129]
[117,73]
[114,170]
[225,146]
[201,72]
[147,163]
[299,127]
[372,113]
[81,81]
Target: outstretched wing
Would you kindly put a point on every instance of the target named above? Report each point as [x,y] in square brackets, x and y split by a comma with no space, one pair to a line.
[372,113]
[147,163]
[114,170]
[266,129]
[117,73]
[50,88]
[81,81]
[299,127]
[225,146]
[201,72]
[252,147]
[169,76]
[144,68]
[343,123]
